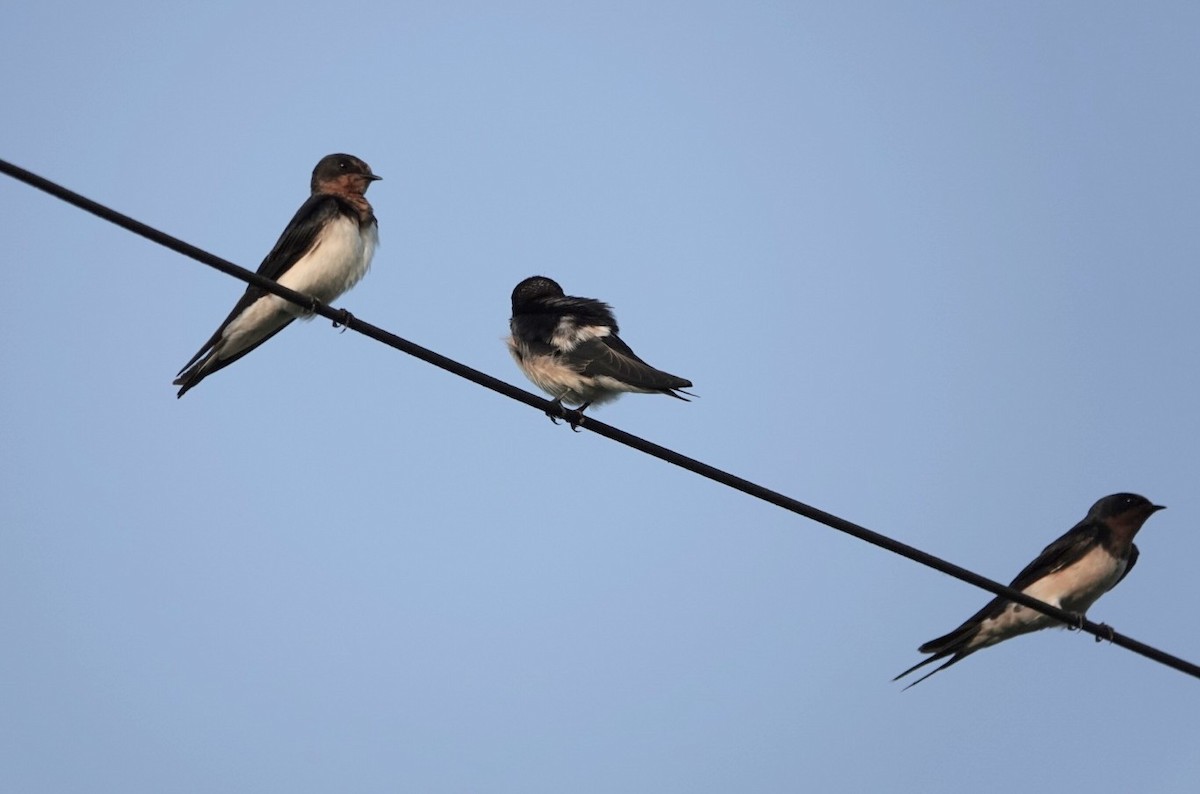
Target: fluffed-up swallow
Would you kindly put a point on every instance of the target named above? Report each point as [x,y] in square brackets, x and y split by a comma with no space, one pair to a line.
[324,251]
[1070,573]
[569,348]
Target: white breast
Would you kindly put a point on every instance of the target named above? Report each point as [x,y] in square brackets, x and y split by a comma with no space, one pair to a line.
[549,374]
[336,263]
[1074,588]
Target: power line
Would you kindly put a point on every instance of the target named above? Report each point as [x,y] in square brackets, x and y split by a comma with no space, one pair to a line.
[343,317]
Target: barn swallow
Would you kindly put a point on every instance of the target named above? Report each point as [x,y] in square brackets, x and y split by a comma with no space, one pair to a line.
[1071,573]
[569,348]
[324,251]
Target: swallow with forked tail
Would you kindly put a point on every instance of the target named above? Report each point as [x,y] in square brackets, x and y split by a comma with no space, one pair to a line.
[1070,573]
[324,251]
[569,348]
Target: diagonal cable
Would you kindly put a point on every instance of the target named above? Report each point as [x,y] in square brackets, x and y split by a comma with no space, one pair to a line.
[343,317]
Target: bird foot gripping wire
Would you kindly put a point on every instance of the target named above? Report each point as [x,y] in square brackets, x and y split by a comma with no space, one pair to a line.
[574,416]
[1106,631]
[344,319]
[552,413]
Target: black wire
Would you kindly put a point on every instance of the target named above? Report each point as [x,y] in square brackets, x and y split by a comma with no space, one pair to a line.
[342,317]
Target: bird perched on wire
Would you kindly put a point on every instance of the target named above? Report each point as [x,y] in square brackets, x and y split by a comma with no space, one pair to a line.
[569,348]
[324,251]
[1070,573]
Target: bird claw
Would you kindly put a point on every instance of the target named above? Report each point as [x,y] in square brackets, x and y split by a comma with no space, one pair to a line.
[343,320]
[574,416]
[577,420]
[1106,631]
[574,421]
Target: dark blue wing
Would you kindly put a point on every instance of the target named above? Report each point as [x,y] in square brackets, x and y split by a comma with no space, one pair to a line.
[608,356]
[1070,548]
[296,241]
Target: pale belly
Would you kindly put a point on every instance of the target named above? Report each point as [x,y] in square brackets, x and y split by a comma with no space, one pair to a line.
[1074,588]
[337,263]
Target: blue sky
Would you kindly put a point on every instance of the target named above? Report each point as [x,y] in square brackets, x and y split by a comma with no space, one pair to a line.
[931,267]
